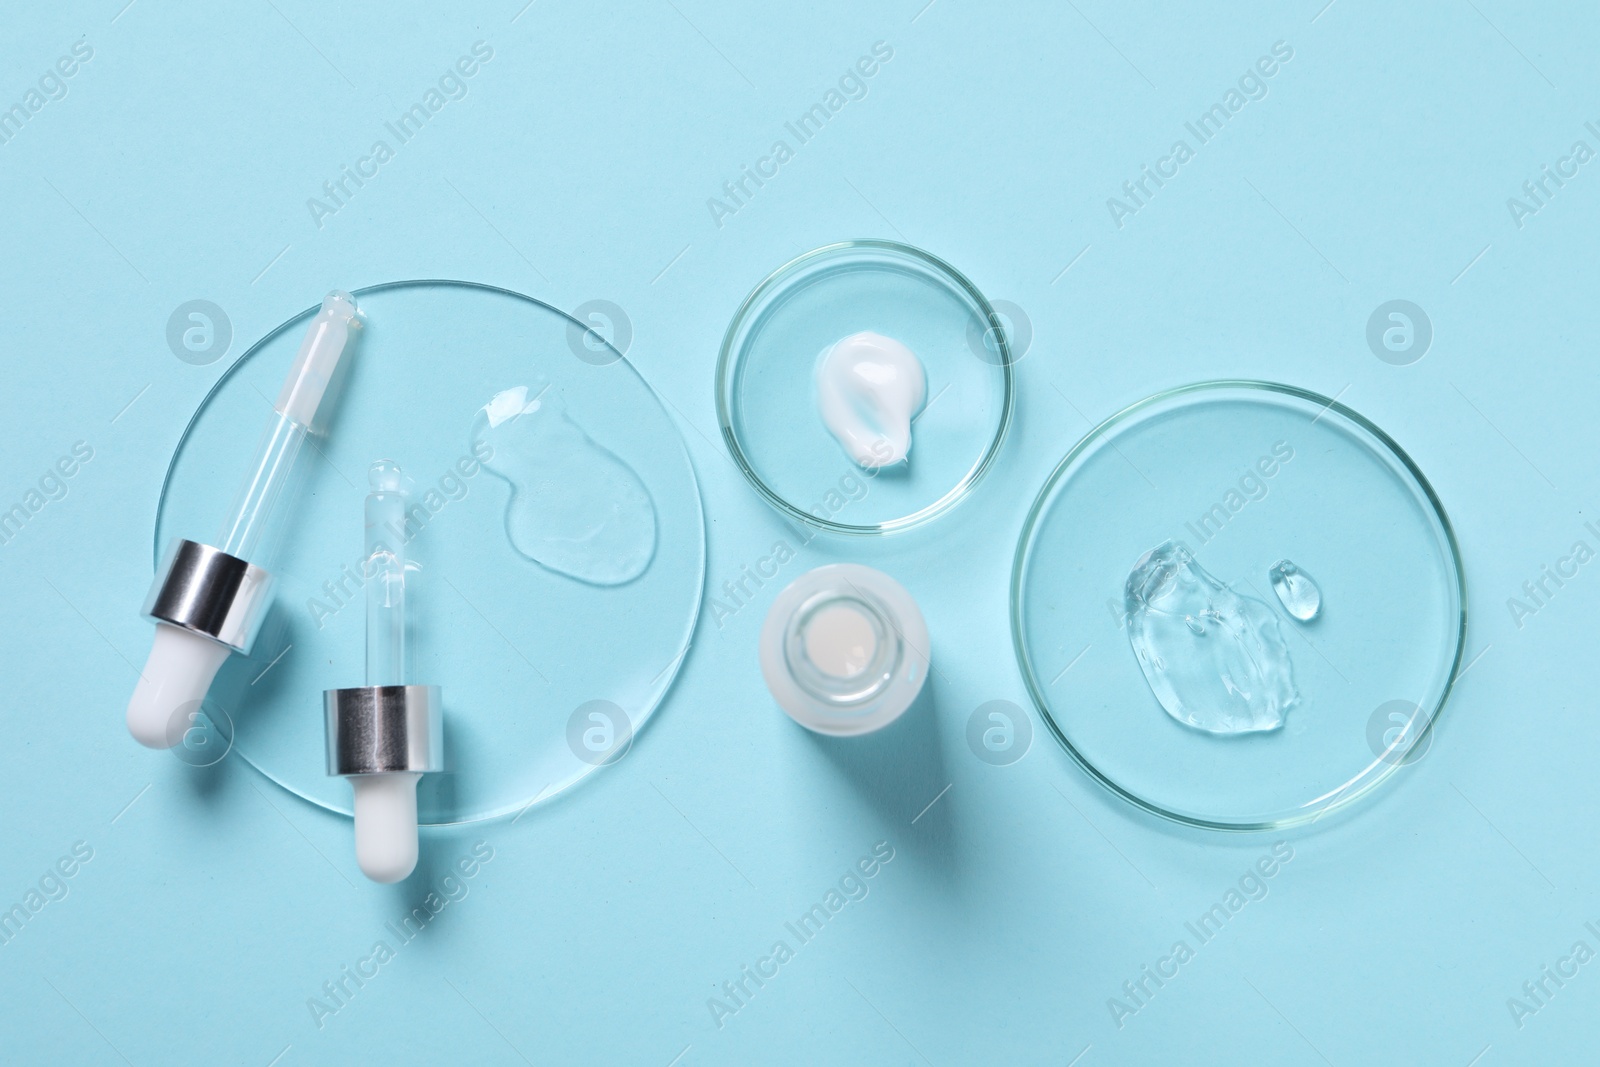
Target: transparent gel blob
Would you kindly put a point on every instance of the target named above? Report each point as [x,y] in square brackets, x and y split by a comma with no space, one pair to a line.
[1215,660]
[575,507]
[1296,591]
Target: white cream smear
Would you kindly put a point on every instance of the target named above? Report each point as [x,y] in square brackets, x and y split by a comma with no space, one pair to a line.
[869,388]
[839,641]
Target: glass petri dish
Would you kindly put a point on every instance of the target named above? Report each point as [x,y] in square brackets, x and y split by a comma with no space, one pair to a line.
[1235,477]
[527,655]
[766,389]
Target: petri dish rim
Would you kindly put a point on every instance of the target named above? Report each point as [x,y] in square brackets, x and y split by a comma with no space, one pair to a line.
[768,288]
[1374,774]
[299,317]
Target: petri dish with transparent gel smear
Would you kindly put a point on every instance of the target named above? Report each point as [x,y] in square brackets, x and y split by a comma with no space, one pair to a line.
[767,391]
[1223,593]
[560,542]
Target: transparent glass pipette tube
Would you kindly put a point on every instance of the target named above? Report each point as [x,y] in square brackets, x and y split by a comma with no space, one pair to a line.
[242,531]
[386,575]
[249,519]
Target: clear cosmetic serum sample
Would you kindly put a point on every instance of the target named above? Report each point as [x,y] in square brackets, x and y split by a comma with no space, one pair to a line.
[575,506]
[1215,659]
[1296,591]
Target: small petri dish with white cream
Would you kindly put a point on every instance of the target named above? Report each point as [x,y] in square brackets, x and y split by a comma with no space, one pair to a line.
[865,387]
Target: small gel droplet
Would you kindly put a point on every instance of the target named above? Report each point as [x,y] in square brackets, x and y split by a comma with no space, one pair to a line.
[1298,593]
[385,476]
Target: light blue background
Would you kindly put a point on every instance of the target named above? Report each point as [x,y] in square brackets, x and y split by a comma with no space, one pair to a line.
[578,167]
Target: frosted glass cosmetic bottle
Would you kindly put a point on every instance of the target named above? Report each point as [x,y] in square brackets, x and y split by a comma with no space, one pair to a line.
[844,650]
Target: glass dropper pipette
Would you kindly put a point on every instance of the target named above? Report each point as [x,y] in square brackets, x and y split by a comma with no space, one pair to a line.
[209,600]
[382,736]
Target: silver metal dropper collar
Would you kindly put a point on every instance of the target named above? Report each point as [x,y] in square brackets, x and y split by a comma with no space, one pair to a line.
[383,729]
[211,593]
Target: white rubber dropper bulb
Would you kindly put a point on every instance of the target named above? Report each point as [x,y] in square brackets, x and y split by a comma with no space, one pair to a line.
[177,675]
[386,804]
[386,824]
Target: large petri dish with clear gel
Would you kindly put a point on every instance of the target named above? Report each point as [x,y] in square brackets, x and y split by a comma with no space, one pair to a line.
[1239,605]
[553,646]
[767,395]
